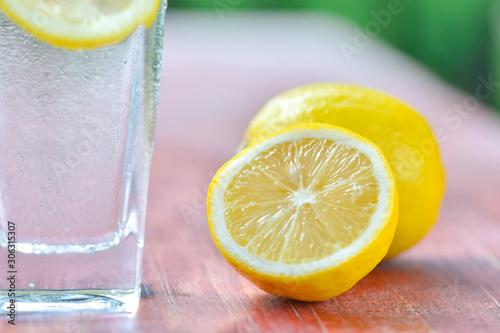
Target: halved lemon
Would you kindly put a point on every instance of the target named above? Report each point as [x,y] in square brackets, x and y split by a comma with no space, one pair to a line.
[305,213]
[81,23]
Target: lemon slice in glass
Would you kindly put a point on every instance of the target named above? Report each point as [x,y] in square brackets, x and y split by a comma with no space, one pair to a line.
[305,213]
[81,23]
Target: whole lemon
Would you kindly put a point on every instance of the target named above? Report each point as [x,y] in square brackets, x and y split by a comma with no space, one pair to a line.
[403,135]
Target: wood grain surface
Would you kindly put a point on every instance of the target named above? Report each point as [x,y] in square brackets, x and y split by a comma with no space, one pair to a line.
[216,76]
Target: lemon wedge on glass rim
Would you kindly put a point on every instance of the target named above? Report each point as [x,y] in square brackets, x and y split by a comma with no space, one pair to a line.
[81,24]
[304,213]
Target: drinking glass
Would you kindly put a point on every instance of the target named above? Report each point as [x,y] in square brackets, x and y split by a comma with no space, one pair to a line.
[76,140]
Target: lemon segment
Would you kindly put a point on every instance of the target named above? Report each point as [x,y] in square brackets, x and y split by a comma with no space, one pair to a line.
[81,24]
[305,213]
[404,137]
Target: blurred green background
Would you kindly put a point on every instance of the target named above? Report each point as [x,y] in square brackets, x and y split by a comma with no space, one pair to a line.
[458,39]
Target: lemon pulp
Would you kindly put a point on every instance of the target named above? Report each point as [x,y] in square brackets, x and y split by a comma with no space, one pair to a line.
[301,201]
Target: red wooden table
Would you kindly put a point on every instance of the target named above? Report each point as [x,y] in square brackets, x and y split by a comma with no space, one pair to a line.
[217,74]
